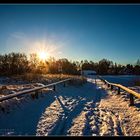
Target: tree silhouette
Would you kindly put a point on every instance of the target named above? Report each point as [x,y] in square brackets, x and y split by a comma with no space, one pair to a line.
[17,63]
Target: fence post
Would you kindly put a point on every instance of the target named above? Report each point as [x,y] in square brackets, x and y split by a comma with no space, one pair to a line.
[108,85]
[111,87]
[54,88]
[118,90]
[131,100]
[64,84]
[36,94]
[33,96]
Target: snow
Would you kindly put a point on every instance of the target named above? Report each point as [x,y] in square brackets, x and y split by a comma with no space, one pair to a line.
[126,80]
[22,117]
[118,118]
[77,104]
[87,110]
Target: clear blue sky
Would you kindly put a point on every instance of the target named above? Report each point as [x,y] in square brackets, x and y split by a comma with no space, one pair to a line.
[75,32]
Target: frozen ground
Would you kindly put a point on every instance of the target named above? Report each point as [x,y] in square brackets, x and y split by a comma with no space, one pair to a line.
[72,111]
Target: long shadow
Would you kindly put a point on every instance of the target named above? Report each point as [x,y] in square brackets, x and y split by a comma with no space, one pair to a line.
[63,107]
[63,125]
[24,120]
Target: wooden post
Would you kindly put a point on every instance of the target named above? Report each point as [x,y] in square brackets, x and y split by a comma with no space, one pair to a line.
[36,94]
[41,93]
[70,81]
[33,96]
[118,90]
[111,87]
[108,85]
[64,84]
[54,88]
[3,109]
[131,100]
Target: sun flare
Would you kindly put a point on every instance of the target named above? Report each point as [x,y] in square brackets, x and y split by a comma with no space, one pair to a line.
[42,56]
[45,49]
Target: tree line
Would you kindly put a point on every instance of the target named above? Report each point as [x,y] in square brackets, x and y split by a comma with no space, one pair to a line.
[19,63]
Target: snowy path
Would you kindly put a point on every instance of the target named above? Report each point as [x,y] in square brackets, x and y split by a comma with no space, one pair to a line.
[92,111]
[52,114]
[73,111]
[76,102]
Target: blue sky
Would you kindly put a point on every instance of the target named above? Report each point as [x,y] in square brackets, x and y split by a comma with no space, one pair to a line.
[75,32]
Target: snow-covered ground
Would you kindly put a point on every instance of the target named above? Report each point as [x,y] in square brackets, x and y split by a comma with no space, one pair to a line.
[126,80]
[72,111]
[74,104]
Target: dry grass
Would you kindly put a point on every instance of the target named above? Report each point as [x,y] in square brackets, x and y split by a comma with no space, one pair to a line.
[30,78]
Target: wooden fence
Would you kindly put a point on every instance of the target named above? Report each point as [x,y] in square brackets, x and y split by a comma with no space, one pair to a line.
[119,86]
[36,90]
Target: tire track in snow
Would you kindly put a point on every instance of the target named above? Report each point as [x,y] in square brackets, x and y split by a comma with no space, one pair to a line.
[82,123]
[116,127]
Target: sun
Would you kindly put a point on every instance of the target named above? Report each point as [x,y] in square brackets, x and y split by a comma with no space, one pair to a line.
[42,55]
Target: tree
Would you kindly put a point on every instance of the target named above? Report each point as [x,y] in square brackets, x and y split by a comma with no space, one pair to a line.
[137,70]
[13,63]
[138,62]
[103,66]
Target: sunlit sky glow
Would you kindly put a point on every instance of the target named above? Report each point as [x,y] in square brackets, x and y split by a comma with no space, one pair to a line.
[75,31]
